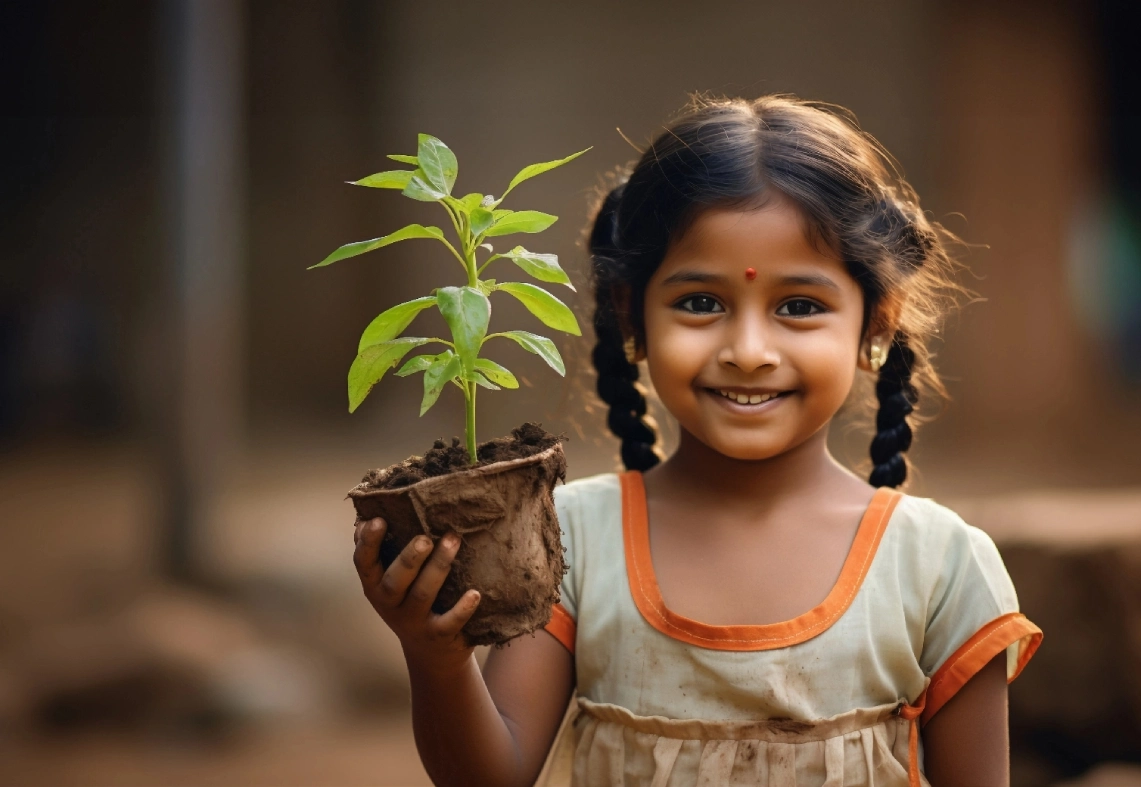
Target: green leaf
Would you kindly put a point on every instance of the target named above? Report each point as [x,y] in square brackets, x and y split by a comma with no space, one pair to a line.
[486,286]
[553,312]
[538,169]
[419,188]
[369,366]
[544,267]
[391,323]
[482,381]
[470,202]
[353,249]
[467,312]
[496,373]
[445,366]
[405,159]
[540,346]
[437,162]
[521,221]
[499,213]
[481,220]
[395,179]
[416,364]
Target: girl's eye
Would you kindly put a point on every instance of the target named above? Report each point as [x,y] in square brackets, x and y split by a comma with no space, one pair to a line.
[799,307]
[700,304]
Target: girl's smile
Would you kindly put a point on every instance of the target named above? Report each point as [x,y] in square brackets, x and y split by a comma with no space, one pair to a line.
[748,401]
[752,366]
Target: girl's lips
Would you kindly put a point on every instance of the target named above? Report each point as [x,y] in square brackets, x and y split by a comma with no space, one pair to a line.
[734,406]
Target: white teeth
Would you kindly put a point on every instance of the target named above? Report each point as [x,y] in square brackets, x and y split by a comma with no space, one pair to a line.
[747,398]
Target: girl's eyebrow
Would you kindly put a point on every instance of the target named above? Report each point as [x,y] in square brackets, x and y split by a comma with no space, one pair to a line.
[683,277]
[811,280]
[700,277]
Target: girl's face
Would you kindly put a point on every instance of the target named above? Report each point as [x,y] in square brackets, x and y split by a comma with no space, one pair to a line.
[752,365]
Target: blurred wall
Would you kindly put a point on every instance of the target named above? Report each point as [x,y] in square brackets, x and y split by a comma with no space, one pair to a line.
[1023,127]
[80,229]
[995,114]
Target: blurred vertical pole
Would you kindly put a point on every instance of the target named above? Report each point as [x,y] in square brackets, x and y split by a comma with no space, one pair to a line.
[206,220]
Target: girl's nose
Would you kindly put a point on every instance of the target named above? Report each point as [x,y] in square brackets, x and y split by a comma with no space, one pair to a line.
[748,346]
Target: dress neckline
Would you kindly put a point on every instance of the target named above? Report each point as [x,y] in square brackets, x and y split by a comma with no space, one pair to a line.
[767,636]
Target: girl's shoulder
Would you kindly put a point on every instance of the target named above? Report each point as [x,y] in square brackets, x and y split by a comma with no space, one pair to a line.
[924,520]
[590,512]
[943,550]
[590,520]
[585,501]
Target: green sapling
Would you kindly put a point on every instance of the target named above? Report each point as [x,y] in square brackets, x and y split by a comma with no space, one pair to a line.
[466,308]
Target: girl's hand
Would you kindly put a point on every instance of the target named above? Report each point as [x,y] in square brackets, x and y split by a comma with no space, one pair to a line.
[403,594]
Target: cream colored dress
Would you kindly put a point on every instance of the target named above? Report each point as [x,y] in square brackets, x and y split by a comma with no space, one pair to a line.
[832,697]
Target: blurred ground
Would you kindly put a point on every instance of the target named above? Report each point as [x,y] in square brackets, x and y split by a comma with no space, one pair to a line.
[373,752]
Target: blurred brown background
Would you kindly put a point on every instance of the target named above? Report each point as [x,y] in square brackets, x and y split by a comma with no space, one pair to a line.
[177,601]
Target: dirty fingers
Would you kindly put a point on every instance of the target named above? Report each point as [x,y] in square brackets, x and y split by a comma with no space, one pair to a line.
[403,593]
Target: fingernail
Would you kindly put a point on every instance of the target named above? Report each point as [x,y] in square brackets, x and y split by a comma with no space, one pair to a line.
[474,599]
[423,544]
[449,541]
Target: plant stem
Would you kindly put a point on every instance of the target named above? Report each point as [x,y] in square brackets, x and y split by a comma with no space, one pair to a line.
[469,396]
[472,273]
[467,246]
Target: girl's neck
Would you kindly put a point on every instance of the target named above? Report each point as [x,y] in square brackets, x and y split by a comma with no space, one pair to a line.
[696,471]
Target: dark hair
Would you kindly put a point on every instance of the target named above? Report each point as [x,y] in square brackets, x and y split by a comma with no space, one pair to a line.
[730,153]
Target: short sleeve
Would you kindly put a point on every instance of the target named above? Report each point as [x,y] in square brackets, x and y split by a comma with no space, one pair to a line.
[972,614]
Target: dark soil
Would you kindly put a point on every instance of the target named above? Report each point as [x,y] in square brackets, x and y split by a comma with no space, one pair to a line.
[442,459]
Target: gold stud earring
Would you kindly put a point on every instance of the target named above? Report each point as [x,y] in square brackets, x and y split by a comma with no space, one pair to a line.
[630,347]
[877,354]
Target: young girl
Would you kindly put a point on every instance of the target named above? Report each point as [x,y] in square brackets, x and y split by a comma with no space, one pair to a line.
[747,611]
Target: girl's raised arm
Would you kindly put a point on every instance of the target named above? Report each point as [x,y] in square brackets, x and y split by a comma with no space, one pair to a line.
[471,729]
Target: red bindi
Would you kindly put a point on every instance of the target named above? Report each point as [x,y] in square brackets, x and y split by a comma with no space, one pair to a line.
[750,273]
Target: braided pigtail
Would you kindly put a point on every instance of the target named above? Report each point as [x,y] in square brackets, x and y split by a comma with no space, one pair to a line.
[618,383]
[897,398]
[904,237]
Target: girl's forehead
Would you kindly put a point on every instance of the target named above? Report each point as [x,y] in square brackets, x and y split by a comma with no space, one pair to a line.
[773,237]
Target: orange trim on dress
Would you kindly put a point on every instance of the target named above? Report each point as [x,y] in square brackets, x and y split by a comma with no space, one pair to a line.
[769,636]
[977,652]
[562,627]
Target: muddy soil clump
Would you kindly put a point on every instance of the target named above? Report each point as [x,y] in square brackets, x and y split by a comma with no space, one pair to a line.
[503,510]
[443,458]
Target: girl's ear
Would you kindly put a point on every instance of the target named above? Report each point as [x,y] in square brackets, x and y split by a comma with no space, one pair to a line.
[873,352]
[878,337]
